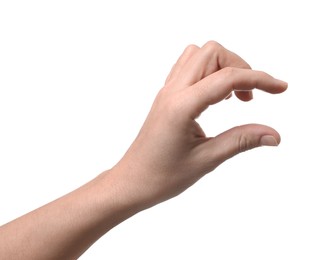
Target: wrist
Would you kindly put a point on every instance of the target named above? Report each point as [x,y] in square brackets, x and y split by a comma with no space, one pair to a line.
[119,196]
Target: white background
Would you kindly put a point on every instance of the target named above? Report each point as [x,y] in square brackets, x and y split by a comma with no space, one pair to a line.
[77,79]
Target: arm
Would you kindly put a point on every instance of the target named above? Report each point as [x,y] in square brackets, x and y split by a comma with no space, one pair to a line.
[170,153]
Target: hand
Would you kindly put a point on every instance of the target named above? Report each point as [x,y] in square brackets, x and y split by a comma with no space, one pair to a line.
[172,152]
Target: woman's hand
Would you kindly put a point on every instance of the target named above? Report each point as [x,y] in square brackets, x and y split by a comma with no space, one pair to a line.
[172,152]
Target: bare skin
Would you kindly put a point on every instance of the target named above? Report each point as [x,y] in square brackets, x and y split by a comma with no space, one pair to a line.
[170,153]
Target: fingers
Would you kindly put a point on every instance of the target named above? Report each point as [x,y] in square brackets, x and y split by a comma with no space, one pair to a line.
[244,95]
[182,60]
[197,63]
[219,85]
[239,139]
[207,60]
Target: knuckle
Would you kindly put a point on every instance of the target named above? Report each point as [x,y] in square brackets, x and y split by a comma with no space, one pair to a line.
[213,46]
[228,71]
[191,48]
[244,144]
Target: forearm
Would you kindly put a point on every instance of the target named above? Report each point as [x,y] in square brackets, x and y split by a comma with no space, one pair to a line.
[65,228]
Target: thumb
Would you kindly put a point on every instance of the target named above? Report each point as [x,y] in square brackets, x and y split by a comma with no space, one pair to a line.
[240,139]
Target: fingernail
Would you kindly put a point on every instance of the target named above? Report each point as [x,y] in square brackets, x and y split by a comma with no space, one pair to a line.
[283,82]
[251,96]
[268,140]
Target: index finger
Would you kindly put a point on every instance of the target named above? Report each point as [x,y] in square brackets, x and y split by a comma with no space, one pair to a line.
[219,85]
